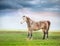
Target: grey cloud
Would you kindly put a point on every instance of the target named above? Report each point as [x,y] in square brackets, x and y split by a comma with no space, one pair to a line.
[40,5]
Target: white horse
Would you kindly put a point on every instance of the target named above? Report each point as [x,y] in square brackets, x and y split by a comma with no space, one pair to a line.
[34,26]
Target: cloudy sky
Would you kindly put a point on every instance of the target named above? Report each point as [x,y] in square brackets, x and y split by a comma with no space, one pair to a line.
[11,12]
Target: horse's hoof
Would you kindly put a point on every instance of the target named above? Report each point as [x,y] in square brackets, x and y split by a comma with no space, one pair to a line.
[31,39]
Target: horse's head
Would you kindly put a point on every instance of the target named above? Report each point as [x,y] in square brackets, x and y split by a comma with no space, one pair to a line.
[24,19]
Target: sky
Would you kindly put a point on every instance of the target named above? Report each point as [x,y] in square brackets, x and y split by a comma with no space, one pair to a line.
[11,12]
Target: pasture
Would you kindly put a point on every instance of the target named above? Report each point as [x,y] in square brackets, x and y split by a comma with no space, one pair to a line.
[18,38]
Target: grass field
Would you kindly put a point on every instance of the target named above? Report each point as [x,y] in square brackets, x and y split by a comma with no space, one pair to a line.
[11,38]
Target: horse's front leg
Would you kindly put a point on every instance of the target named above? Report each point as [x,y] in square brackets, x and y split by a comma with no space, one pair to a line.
[29,34]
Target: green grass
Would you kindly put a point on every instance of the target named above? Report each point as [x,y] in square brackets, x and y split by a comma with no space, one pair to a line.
[11,38]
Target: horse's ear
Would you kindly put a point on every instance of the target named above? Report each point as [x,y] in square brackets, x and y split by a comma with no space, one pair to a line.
[23,16]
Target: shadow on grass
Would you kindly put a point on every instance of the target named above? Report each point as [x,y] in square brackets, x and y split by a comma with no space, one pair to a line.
[55,37]
[50,37]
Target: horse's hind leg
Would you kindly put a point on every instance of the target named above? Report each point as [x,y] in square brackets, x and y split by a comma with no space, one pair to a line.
[43,35]
[47,34]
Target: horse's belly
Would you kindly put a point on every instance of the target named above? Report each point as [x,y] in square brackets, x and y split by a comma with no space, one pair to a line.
[35,27]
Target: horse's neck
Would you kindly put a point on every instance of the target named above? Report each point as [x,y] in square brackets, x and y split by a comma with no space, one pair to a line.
[29,21]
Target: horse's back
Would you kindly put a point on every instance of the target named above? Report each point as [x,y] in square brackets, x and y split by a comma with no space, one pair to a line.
[44,24]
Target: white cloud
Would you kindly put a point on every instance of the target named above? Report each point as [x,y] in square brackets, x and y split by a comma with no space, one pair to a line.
[43,2]
[34,2]
[54,1]
[51,9]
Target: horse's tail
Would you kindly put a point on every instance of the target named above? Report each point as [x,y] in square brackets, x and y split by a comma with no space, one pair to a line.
[48,25]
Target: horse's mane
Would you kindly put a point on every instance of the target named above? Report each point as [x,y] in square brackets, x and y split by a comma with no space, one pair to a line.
[28,21]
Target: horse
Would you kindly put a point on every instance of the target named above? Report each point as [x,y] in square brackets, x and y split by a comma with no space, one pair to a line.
[34,26]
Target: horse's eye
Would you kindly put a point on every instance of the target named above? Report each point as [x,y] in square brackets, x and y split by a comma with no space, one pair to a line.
[23,18]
